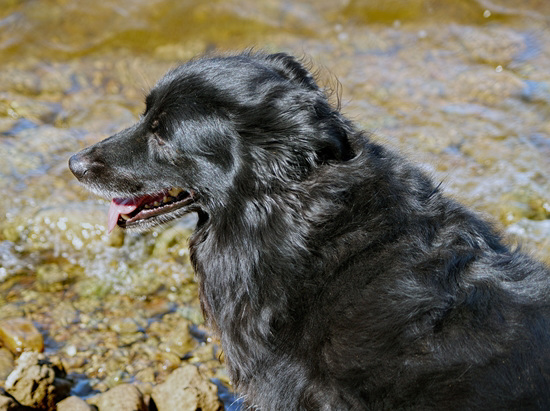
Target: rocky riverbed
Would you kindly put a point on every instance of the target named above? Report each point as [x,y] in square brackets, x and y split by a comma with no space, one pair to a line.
[122,354]
[37,383]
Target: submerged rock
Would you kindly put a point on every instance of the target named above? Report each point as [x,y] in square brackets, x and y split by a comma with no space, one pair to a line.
[51,277]
[19,334]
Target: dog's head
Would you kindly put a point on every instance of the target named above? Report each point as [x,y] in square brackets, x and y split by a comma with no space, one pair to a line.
[214,128]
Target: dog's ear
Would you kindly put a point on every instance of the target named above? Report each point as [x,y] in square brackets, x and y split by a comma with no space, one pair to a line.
[288,67]
[335,145]
[333,142]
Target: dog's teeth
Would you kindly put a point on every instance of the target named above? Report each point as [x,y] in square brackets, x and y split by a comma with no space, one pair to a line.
[147,206]
[156,203]
[125,216]
[174,192]
[165,199]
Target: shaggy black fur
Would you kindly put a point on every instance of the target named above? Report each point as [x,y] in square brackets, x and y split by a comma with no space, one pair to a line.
[335,273]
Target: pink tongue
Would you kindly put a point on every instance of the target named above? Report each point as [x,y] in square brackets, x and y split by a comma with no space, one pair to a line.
[121,206]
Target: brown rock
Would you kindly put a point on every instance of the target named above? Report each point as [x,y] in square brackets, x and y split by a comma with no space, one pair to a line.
[73,403]
[51,277]
[36,382]
[124,397]
[180,339]
[19,334]
[7,403]
[146,375]
[123,326]
[185,389]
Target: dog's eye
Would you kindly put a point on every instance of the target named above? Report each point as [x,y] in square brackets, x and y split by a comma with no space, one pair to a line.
[155,132]
[159,139]
[155,128]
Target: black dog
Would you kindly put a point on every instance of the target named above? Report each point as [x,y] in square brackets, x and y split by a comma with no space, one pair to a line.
[336,274]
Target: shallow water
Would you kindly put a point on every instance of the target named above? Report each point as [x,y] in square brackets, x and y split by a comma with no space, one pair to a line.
[462,87]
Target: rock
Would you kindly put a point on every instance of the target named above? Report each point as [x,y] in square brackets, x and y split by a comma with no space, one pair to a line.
[7,403]
[6,363]
[19,334]
[185,389]
[146,375]
[10,310]
[37,383]
[123,326]
[51,277]
[124,397]
[178,340]
[73,403]
[64,314]
[169,360]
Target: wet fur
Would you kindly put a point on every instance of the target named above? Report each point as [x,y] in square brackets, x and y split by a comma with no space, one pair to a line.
[336,274]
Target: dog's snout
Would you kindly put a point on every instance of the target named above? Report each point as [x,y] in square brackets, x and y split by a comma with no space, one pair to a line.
[79,165]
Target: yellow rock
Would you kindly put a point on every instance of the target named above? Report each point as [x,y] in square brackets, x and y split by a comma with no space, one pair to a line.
[19,334]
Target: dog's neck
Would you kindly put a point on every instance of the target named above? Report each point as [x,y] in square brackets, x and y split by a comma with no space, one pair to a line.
[229,254]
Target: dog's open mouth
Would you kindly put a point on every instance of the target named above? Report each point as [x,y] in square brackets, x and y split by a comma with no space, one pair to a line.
[126,212]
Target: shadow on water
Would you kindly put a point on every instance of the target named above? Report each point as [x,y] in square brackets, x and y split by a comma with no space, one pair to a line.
[230,400]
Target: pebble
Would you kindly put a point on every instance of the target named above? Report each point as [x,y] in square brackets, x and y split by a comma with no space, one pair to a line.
[19,334]
[123,326]
[168,360]
[146,375]
[64,314]
[179,340]
[203,354]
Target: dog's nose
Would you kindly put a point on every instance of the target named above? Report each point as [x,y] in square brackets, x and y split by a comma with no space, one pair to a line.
[79,165]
